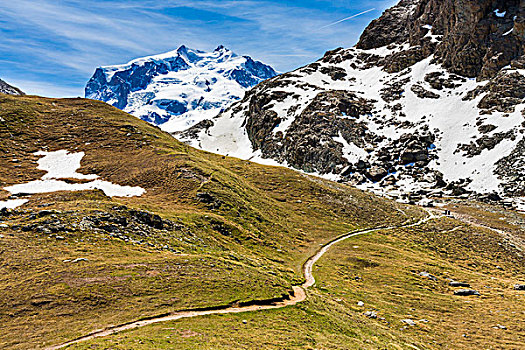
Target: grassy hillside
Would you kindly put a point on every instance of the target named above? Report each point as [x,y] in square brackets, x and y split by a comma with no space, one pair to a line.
[233,231]
[383,271]
[209,231]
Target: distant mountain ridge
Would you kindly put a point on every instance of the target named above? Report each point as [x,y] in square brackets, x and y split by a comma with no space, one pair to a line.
[5,88]
[179,88]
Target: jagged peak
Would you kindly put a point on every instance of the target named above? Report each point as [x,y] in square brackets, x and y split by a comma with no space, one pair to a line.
[205,81]
[8,89]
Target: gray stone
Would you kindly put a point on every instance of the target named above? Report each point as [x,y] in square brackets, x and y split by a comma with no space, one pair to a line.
[466,292]
[409,322]
[428,275]
[458,284]
[371,314]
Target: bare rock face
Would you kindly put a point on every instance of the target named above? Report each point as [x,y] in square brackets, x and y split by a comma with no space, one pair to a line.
[428,103]
[476,37]
[5,88]
[308,144]
[391,27]
[512,170]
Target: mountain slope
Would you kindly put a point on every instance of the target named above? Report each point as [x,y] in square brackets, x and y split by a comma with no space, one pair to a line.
[430,101]
[211,231]
[5,88]
[231,230]
[179,88]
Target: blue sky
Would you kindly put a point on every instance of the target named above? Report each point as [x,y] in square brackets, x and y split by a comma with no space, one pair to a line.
[51,47]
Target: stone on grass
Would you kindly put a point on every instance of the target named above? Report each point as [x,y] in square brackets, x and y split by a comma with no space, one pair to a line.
[458,284]
[428,275]
[409,322]
[371,314]
[466,292]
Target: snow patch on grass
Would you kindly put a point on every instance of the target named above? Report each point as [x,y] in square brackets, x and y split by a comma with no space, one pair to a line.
[64,165]
[12,204]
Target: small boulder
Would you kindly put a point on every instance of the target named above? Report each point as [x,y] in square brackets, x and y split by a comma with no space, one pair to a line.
[459,284]
[371,314]
[409,322]
[466,292]
[428,275]
[519,286]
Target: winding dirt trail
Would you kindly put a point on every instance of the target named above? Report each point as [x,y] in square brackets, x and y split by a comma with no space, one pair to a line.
[299,293]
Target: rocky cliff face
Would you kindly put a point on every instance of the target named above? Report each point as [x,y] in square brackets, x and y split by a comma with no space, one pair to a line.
[179,88]
[5,88]
[430,101]
[476,38]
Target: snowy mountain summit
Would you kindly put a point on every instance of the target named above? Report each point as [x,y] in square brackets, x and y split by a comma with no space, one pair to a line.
[431,101]
[179,88]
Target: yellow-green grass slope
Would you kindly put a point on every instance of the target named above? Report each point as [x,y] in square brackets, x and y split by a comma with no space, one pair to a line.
[382,271]
[239,231]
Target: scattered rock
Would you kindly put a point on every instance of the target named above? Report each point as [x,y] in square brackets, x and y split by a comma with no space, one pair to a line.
[519,286]
[459,284]
[209,199]
[360,303]
[370,314]
[428,275]
[409,322]
[466,292]
[421,92]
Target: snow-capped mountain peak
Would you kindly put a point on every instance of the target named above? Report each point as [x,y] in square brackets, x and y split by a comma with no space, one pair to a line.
[179,88]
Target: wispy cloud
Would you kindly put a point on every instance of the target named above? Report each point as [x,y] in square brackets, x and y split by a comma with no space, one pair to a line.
[60,43]
[347,18]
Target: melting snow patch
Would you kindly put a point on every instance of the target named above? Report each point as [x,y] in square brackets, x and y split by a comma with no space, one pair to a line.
[12,204]
[63,165]
[350,151]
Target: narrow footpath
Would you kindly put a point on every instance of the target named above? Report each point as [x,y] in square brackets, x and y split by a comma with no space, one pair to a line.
[298,295]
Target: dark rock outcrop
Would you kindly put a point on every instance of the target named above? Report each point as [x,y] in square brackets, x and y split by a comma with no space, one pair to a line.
[5,88]
[308,143]
[391,27]
[466,292]
[476,37]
